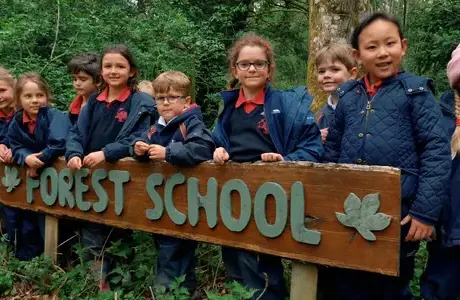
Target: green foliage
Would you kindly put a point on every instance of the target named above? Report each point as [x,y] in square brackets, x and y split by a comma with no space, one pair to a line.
[237,292]
[433,32]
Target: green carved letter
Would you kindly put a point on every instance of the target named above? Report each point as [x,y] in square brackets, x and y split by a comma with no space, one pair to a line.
[208,202]
[269,230]
[31,184]
[49,198]
[103,202]
[176,216]
[118,178]
[65,195]
[157,212]
[299,232]
[226,205]
[81,188]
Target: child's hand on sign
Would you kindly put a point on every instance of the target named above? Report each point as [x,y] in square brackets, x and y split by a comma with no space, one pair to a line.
[271,157]
[93,159]
[31,172]
[141,148]
[157,152]
[418,231]
[74,163]
[324,133]
[33,161]
[221,156]
[6,157]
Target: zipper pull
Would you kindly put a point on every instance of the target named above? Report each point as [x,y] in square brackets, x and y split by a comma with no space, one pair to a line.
[368,107]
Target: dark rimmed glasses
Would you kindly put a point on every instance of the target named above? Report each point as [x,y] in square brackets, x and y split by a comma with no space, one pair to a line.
[244,65]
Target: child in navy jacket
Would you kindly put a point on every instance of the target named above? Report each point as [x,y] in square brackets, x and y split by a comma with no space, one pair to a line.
[391,118]
[181,138]
[261,123]
[104,131]
[37,136]
[441,277]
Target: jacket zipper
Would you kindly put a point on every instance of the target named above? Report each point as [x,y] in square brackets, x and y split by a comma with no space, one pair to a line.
[368,110]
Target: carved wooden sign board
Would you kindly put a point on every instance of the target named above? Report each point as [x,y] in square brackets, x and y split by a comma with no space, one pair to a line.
[343,216]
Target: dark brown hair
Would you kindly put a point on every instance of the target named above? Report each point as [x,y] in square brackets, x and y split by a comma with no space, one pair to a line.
[124,51]
[86,62]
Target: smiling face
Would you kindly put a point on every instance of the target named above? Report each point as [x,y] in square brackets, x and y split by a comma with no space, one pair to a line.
[332,74]
[257,75]
[381,50]
[31,98]
[6,96]
[116,70]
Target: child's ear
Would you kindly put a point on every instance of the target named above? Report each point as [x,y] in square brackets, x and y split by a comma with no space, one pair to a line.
[404,46]
[132,72]
[357,56]
[353,72]
[188,101]
[234,73]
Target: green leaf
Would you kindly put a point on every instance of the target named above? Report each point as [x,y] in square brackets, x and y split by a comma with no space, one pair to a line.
[370,205]
[377,222]
[366,234]
[349,221]
[352,205]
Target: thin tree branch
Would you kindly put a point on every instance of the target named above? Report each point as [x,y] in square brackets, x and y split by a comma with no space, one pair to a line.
[57,28]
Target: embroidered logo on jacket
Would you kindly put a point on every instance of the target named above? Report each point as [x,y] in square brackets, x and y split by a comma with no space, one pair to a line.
[262,125]
[151,131]
[122,115]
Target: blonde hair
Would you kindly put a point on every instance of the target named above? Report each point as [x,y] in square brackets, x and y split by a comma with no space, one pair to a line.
[455,141]
[6,76]
[175,80]
[342,53]
[146,87]
[35,78]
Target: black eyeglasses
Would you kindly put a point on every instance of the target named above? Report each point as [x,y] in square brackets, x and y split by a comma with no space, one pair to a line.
[244,65]
[171,99]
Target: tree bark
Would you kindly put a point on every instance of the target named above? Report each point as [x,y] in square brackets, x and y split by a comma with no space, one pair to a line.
[330,21]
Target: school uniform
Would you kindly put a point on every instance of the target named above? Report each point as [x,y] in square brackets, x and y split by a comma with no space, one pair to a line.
[4,123]
[326,114]
[275,121]
[188,142]
[75,108]
[109,127]
[440,280]
[46,135]
[397,123]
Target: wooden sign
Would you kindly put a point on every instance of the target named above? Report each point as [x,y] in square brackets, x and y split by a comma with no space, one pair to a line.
[339,215]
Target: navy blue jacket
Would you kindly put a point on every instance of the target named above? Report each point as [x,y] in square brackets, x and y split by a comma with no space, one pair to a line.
[49,138]
[187,140]
[451,211]
[325,116]
[141,116]
[4,132]
[401,126]
[290,122]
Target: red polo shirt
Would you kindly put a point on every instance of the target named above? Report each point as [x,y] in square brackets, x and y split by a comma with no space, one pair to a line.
[103,97]
[29,122]
[250,105]
[372,89]
[75,106]
[7,117]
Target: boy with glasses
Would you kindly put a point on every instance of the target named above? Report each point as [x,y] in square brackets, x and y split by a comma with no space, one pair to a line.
[181,138]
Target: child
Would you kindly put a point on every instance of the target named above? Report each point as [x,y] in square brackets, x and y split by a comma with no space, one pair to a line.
[391,118]
[261,123]
[7,106]
[104,131]
[85,72]
[441,277]
[335,65]
[145,86]
[181,138]
[37,136]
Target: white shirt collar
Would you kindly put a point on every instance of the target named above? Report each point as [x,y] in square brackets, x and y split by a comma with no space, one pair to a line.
[329,102]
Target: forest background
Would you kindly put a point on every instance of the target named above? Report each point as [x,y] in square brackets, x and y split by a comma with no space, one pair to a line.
[191,36]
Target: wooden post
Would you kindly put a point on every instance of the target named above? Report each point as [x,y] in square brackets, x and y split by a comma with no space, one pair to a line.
[304,281]
[51,237]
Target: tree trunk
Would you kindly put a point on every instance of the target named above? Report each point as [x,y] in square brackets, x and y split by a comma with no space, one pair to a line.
[330,21]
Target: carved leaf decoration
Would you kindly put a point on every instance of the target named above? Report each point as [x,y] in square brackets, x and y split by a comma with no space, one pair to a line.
[363,215]
[11,178]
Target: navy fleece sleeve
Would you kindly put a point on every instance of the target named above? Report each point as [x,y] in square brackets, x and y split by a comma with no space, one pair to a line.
[16,144]
[197,147]
[58,132]
[77,134]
